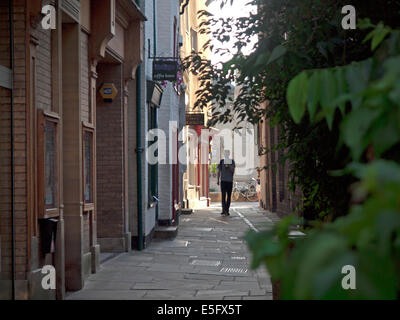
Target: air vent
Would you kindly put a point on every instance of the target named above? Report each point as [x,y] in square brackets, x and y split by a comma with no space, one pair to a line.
[233,270]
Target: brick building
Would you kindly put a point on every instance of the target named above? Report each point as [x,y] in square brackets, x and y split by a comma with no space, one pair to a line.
[275,193]
[64,149]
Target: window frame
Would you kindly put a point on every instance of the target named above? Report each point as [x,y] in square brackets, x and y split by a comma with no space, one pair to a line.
[44,211]
[152,169]
[194,40]
[88,128]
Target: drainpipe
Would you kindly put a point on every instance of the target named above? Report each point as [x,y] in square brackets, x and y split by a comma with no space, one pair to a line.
[11,23]
[155,109]
[139,150]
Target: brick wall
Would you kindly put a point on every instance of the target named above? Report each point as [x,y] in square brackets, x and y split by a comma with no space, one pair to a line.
[5,183]
[84,76]
[43,69]
[110,164]
[20,141]
[86,233]
[85,114]
[5,151]
[275,193]
[19,146]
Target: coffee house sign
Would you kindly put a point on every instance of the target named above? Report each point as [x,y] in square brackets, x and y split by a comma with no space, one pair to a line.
[164,69]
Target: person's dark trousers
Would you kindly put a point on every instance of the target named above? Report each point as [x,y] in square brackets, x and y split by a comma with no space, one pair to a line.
[226,192]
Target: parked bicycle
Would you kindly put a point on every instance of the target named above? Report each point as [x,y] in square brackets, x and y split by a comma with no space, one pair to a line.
[247,190]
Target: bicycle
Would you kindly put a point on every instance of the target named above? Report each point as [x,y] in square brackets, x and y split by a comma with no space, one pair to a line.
[248,190]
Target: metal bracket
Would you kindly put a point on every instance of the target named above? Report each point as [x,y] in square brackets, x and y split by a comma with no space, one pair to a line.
[160,58]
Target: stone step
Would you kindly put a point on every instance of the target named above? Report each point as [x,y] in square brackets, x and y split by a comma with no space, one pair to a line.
[165,232]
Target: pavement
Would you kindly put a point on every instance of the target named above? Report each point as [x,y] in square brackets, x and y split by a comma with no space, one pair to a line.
[207,260]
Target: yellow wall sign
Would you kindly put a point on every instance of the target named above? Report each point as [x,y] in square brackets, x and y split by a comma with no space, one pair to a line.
[108,91]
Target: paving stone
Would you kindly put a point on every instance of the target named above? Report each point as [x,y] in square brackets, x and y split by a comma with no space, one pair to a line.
[258,292]
[208,277]
[223,293]
[233,298]
[240,283]
[106,295]
[246,279]
[265,297]
[238,286]
[107,285]
[164,270]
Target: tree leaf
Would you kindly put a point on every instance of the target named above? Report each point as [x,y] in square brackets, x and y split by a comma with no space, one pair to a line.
[357,76]
[296,96]
[314,93]
[341,89]
[379,33]
[384,138]
[328,95]
[278,52]
[354,128]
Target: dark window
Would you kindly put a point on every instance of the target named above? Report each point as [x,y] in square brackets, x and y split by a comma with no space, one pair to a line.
[152,173]
[88,166]
[50,165]
[47,164]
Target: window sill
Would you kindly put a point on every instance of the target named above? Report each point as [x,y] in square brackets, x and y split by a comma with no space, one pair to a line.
[88,207]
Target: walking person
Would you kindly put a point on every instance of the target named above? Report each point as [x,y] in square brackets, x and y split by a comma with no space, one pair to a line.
[226,170]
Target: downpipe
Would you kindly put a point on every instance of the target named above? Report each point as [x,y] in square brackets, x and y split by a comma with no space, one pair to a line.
[139,150]
[155,109]
[11,24]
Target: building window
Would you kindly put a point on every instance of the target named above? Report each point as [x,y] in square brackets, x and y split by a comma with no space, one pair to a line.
[88,167]
[48,170]
[50,165]
[152,168]
[193,40]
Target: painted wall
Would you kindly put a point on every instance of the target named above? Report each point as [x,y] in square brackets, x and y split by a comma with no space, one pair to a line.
[171,103]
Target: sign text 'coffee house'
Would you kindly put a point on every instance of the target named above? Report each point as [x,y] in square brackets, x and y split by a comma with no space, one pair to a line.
[165,70]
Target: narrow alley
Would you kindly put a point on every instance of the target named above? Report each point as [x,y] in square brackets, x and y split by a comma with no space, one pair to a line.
[207,260]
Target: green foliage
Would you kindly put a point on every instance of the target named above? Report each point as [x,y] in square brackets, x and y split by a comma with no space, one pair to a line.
[368,238]
[297,96]
[371,88]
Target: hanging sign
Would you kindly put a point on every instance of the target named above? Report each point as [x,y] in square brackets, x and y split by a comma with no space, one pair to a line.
[195,119]
[165,70]
[108,91]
